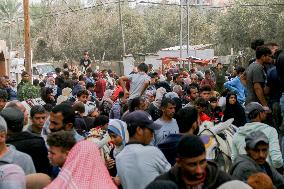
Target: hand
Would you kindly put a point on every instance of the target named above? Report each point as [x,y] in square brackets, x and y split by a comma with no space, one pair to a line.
[116,181]
[110,163]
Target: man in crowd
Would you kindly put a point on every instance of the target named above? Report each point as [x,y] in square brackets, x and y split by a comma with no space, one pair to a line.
[116,110]
[24,141]
[208,80]
[219,73]
[257,149]
[257,114]
[169,124]
[85,62]
[38,118]
[187,120]
[100,85]
[9,154]
[4,85]
[236,85]
[191,95]
[256,77]
[62,117]
[59,143]
[20,106]
[138,82]
[192,170]
[138,163]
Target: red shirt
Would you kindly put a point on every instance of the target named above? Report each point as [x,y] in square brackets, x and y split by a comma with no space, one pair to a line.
[100,88]
[116,91]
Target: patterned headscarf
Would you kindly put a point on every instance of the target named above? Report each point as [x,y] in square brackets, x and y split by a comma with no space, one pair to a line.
[83,168]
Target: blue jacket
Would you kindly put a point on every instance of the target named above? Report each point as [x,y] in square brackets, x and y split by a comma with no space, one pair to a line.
[236,85]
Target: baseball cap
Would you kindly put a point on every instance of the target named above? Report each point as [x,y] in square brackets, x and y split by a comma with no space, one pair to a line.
[255,137]
[141,118]
[254,106]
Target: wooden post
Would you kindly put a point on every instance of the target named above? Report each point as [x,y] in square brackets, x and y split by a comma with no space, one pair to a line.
[28,58]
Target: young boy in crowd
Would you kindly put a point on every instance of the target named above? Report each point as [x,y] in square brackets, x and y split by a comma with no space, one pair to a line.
[216,113]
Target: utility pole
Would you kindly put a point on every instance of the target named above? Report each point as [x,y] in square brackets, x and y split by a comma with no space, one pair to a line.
[121,28]
[187,24]
[27,36]
[181,28]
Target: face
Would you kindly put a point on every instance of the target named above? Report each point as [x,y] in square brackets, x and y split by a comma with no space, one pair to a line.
[2,103]
[267,59]
[56,122]
[83,98]
[207,76]
[205,95]
[57,156]
[142,105]
[169,111]
[193,169]
[232,99]
[13,84]
[82,84]
[193,94]
[194,79]
[116,139]
[213,104]
[259,154]
[38,120]
[26,77]
[219,66]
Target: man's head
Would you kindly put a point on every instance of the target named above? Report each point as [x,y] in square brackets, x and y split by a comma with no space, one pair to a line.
[191,158]
[4,83]
[137,103]
[14,119]
[62,117]
[38,116]
[141,127]
[274,47]
[240,70]
[257,146]
[90,87]
[59,143]
[19,105]
[205,92]
[86,55]
[255,112]
[66,75]
[187,120]
[194,78]
[3,98]
[101,121]
[83,96]
[200,104]
[89,72]
[219,65]
[192,92]
[169,76]
[154,78]
[207,74]
[25,76]
[57,71]
[178,89]
[263,55]
[142,67]
[168,107]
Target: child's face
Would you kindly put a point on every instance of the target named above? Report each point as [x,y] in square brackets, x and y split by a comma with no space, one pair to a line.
[83,98]
[117,140]
[213,104]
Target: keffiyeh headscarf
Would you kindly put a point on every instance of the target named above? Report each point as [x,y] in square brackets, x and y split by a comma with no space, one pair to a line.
[83,168]
[119,128]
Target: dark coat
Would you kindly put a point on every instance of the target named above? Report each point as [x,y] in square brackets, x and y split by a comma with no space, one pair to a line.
[35,147]
[214,178]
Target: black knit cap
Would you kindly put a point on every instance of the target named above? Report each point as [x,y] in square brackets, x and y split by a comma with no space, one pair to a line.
[190,146]
[14,118]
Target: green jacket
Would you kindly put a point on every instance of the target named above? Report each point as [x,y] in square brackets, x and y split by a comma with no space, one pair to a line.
[28,91]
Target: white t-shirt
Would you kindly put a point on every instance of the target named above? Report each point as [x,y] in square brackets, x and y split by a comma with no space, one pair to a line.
[138,165]
[136,83]
[167,129]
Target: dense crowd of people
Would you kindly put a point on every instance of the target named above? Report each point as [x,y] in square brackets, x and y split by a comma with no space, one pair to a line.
[203,128]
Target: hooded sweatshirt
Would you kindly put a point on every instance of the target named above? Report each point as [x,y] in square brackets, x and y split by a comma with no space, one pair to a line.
[274,157]
[245,166]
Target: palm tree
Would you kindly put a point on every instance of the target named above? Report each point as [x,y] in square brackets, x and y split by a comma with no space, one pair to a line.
[9,10]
